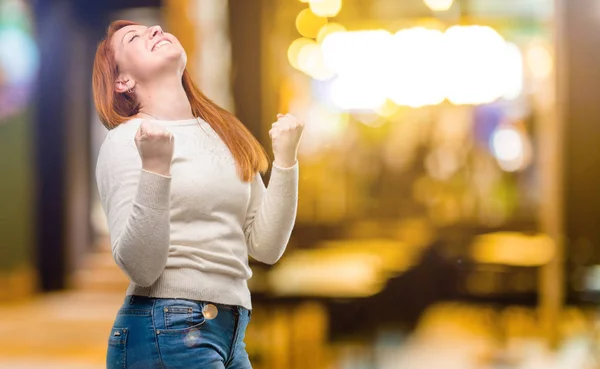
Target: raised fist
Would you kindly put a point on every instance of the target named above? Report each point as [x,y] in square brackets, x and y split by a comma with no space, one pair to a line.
[286,134]
[155,146]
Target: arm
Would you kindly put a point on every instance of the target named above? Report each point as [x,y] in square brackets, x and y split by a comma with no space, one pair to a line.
[271,214]
[136,203]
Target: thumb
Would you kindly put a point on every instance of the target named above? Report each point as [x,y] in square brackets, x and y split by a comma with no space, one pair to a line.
[138,133]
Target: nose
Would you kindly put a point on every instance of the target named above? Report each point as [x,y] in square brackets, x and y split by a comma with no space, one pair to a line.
[155,31]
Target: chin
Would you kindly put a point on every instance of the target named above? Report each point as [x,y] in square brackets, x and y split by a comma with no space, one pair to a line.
[170,60]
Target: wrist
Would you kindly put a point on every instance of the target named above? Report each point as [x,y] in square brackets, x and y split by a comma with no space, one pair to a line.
[285,163]
[158,168]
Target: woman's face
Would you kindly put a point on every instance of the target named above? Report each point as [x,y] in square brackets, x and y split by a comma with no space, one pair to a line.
[145,53]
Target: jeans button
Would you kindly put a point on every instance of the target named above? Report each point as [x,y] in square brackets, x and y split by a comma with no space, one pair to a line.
[210,311]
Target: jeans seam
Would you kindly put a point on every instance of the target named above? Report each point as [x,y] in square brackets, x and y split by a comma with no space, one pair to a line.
[236,332]
[162,364]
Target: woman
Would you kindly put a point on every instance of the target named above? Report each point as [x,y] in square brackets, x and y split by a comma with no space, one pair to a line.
[179,181]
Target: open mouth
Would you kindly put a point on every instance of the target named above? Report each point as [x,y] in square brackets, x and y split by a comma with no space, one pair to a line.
[160,44]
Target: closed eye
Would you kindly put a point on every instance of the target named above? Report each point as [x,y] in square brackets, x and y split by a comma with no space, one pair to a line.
[131,39]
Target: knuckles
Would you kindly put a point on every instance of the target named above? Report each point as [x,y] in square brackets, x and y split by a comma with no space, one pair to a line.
[288,126]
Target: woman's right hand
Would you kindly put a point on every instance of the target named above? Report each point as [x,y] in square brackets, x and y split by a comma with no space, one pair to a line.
[155,146]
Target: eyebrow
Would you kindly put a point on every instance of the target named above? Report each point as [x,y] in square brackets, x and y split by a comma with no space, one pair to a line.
[126,33]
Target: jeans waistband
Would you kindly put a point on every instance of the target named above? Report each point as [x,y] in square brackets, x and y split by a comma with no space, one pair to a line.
[145,302]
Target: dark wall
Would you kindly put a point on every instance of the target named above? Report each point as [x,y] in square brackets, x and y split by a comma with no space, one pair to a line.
[245,33]
[579,77]
[54,20]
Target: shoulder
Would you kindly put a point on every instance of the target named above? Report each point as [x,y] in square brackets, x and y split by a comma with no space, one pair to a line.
[119,143]
[121,137]
[124,133]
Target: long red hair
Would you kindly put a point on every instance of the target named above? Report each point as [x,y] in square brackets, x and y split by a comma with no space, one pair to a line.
[115,108]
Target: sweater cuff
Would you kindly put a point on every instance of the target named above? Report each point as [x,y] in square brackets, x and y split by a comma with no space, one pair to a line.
[154,190]
[286,168]
[284,181]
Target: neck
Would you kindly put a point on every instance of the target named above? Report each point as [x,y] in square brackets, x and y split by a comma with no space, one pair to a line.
[164,99]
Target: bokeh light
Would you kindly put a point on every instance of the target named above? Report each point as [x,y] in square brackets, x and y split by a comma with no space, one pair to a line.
[19,57]
[515,73]
[507,144]
[326,8]
[415,69]
[360,61]
[310,61]
[511,148]
[327,273]
[328,29]
[294,51]
[308,23]
[467,65]
[512,248]
[539,60]
[439,5]
[357,93]
[475,65]
[359,51]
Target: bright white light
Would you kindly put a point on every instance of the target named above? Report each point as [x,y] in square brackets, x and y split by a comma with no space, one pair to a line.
[475,71]
[508,147]
[329,28]
[359,51]
[310,61]
[357,92]
[361,61]
[438,5]
[506,143]
[513,70]
[415,70]
[415,67]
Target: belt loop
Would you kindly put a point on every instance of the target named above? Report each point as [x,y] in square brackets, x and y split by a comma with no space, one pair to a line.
[131,299]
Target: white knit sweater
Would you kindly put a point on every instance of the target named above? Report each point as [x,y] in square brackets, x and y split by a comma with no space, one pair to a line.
[190,235]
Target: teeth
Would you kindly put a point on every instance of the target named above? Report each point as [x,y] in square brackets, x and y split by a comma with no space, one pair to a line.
[160,44]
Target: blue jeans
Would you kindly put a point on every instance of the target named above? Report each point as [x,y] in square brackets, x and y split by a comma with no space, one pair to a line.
[151,333]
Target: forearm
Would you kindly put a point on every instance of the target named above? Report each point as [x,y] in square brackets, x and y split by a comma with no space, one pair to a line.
[274,220]
[141,248]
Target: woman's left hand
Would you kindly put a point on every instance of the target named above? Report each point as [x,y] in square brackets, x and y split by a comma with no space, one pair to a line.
[286,134]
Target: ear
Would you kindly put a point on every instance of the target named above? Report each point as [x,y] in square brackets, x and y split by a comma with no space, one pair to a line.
[122,85]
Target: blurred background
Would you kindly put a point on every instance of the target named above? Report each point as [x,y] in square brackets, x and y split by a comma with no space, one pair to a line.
[449,183]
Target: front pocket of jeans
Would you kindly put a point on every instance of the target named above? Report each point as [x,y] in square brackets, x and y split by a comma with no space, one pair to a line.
[182,319]
[116,357]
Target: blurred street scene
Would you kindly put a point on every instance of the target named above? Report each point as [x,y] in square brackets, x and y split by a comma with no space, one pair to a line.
[449,190]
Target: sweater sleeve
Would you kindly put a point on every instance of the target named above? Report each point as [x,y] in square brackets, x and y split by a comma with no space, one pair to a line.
[136,203]
[272,214]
